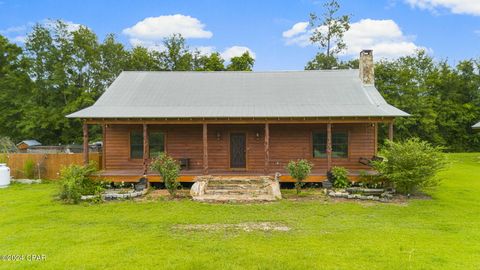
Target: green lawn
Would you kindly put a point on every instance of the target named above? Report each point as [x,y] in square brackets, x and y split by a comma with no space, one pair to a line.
[441,233]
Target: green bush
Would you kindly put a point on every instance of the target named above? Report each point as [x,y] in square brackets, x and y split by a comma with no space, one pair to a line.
[340,177]
[169,170]
[76,180]
[3,158]
[29,169]
[367,180]
[299,170]
[411,165]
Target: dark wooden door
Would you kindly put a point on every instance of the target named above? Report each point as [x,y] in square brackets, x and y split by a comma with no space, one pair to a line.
[238,150]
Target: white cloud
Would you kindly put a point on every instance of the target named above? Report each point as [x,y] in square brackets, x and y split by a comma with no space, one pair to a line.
[156,28]
[204,50]
[19,39]
[150,45]
[298,28]
[235,51]
[18,34]
[384,37]
[71,26]
[471,7]
[14,29]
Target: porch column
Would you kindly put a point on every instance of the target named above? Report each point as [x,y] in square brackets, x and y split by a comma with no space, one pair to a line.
[104,147]
[205,149]
[146,149]
[329,146]
[390,131]
[85,143]
[267,148]
[375,138]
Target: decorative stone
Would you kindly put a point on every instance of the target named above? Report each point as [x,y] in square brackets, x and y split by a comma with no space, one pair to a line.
[27,181]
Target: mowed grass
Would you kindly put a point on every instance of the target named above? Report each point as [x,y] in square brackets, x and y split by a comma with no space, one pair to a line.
[441,233]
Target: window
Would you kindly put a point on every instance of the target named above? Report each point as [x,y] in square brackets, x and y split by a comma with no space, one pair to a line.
[156,143]
[136,144]
[319,144]
[339,144]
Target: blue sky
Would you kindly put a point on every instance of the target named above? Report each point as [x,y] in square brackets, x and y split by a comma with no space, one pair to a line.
[447,29]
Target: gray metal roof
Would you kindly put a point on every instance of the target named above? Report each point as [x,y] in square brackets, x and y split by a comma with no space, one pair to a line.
[336,93]
[30,142]
[476,126]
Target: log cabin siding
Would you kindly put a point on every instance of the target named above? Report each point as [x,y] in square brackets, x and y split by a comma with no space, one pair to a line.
[287,142]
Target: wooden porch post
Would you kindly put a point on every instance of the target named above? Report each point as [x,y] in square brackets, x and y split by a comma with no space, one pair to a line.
[104,147]
[375,137]
[329,146]
[205,149]
[390,131]
[146,149]
[85,143]
[267,148]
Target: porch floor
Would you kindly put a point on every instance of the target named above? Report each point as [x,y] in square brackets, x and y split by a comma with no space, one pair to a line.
[132,175]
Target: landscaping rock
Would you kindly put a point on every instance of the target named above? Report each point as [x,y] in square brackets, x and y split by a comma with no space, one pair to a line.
[27,181]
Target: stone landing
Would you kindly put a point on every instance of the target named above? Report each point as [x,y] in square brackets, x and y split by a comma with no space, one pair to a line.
[235,189]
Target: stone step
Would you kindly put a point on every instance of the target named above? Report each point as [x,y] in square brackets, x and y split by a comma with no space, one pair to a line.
[241,189]
[236,191]
[234,187]
[236,181]
[235,198]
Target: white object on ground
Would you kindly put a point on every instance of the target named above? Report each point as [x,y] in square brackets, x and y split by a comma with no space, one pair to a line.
[4,175]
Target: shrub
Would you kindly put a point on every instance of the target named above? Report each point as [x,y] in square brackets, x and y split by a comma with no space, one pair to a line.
[411,165]
[169,170]
[370,180]
[3,158]
[29,169]
[340,177]
[7,145]
[299,170]
[76,180]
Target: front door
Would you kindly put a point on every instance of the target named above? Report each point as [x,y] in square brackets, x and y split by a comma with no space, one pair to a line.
[238,150]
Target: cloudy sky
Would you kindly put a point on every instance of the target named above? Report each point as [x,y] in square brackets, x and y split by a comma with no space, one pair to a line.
[275,32]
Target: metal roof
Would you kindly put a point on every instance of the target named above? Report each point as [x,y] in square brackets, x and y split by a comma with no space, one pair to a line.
[30,142]
[333,93]
[476,126]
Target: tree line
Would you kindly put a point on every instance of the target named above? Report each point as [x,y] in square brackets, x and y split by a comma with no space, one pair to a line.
[443,100]
[59,71]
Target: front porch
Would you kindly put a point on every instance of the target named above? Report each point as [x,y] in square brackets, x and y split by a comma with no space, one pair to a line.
[246,148]
[189,175]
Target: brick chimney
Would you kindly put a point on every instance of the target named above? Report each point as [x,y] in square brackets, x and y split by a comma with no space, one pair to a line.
[366,67]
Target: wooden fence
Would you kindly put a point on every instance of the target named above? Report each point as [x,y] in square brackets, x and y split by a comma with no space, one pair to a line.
[47,166]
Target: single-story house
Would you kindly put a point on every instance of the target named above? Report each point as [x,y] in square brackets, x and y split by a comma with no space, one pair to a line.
[239,123]
[25,144]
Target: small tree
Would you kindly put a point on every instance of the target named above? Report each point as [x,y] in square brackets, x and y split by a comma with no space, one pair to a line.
[169,169]
[299,170]
[328,32]
[411,165]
